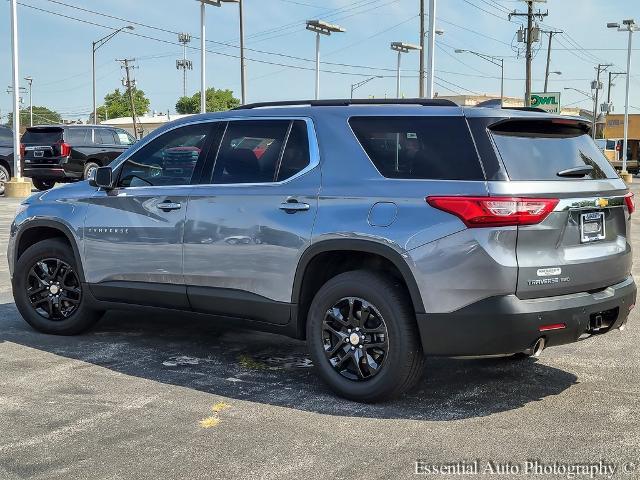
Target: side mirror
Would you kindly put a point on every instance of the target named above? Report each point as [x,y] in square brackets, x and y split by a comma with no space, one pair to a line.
[102,177]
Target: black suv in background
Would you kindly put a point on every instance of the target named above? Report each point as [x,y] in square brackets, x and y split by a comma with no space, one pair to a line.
[66,153]
[6,155]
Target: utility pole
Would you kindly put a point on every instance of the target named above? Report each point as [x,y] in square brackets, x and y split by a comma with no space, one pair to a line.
[551,33]
[130,85]
[612,77]
[184,64]
[531,36]
[431,58]
[422,34]
[597,86]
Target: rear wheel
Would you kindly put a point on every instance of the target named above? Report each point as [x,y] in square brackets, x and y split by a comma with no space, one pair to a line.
[42,184]
[4,177]
[89,168]
[363,337]
[48,292]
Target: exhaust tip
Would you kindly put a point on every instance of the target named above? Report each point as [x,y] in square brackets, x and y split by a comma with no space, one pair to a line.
[538,347]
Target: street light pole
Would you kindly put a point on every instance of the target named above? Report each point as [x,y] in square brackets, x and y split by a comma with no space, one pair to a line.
[17,174]
[402,47]
[630,26]
[324,28]
[203,59]
[30,81]
[494,61]
[95,46]
[243,66]
[431,62]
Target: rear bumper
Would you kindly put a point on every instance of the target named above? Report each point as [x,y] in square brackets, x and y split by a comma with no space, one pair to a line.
[507,324]
[48,172]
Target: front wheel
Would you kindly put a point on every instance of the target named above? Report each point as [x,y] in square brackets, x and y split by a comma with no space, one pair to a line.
[43,185]
[48,292]
[4,177]
[363,337]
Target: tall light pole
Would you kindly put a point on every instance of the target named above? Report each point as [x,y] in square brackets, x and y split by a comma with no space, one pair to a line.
[96,45]
[17,174]
[243,65]
[355,86]
[431,61]
[203,48]
[630,26]
[498,61]
[402,47]
[30,81]
[321,28]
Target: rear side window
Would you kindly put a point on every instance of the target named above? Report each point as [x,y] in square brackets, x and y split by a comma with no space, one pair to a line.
[42,136]
[540,149]
[250,151]
[104,136]
[6,136]
[296,153]
[78,136]
[438,148]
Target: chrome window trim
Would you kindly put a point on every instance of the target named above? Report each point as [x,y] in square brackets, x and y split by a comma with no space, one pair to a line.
[314,151]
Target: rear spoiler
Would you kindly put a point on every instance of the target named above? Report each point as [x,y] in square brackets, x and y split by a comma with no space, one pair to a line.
[541,124]
[497,103]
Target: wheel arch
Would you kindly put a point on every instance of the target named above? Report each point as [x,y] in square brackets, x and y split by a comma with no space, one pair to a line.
[385,256]
[42,229]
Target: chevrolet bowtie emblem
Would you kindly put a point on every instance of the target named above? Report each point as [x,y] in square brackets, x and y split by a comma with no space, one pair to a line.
[602,202]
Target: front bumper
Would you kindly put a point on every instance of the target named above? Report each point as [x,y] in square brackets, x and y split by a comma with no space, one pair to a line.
[507,324]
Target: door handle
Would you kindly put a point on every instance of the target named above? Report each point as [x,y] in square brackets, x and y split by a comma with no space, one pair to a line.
[293,206]
[166,206]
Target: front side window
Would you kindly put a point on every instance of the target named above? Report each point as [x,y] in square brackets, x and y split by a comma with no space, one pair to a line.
[124,138]
[6,136]
[169,159]
[104,136]
[420,148]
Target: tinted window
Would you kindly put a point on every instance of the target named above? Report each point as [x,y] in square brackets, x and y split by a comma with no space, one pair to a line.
[296,153]
[78,136]
[250,151]
[169,159]
[43,136]
[6,136]
[104,136]
[611,145]
[538,150]
[437,148]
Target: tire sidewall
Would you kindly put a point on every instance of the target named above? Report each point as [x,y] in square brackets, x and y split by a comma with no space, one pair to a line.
[371,289]
[87,167]
[76,322]
[4,170]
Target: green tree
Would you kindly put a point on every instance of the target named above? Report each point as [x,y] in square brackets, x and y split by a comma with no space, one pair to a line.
[117,104]
[41,116]
[217,101]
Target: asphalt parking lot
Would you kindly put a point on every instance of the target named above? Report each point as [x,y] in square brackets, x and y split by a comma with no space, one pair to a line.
[151,397]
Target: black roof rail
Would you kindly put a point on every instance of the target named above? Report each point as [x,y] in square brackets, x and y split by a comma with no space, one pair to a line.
[425,102]
[526,109]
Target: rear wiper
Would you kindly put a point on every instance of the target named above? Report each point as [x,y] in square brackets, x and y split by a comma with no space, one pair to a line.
[576,171]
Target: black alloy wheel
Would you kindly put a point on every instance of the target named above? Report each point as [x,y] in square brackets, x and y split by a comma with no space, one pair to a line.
[53,289]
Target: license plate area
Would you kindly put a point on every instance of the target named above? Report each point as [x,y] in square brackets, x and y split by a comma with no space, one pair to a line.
[38,153]
[592,227]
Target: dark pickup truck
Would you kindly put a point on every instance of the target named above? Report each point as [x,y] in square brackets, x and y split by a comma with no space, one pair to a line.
[6,156]
[67,153]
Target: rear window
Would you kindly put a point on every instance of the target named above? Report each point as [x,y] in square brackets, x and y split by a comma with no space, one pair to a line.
[44,136]
[438,148]
[539,150]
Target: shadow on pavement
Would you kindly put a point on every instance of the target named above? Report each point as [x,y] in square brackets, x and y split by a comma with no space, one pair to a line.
[271,369]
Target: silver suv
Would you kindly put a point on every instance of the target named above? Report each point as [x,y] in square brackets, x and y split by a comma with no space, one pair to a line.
[379,231]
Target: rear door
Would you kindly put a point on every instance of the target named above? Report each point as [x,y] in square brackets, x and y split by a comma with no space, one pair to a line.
[583,245]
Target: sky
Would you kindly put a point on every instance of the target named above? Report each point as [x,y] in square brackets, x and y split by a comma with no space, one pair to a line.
[55,39]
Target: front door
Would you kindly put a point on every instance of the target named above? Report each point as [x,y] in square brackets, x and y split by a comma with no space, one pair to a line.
[133,233]
[251,219]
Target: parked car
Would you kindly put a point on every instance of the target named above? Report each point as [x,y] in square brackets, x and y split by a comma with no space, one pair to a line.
[6,156]
[67,153]
[613,151]
[389,230]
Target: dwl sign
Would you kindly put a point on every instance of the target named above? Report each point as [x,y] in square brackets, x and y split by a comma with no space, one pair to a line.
[549,101]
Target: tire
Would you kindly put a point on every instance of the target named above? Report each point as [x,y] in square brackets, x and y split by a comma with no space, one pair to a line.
[402,363]
[42,184]
[4,177]
[87,167]
[71,316]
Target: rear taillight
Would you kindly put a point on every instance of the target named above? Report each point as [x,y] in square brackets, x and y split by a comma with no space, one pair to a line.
[65,149]
[23,150]
[495,211]
[628,199]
